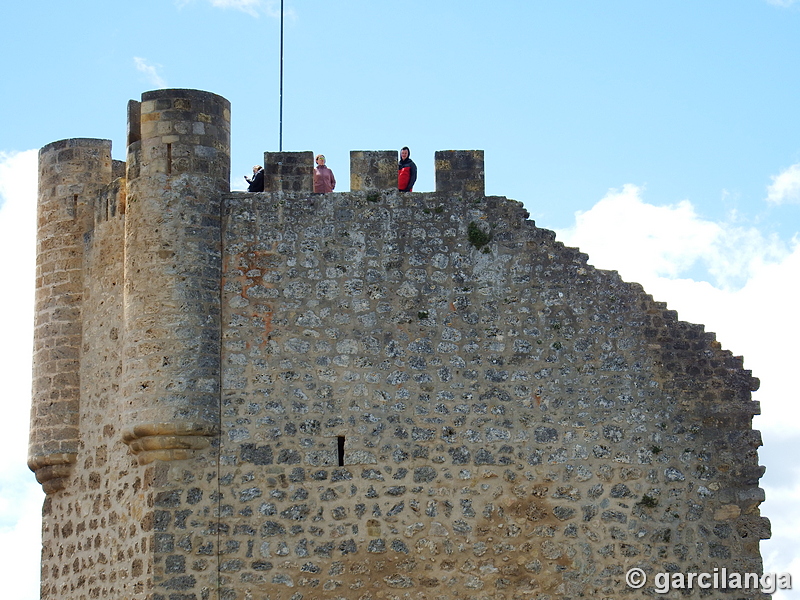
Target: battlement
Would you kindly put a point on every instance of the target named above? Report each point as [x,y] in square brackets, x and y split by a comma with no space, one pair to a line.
[177,131]
[457,171]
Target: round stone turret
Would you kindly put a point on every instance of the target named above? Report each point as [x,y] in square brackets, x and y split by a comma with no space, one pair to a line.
[71,174]
[178,169]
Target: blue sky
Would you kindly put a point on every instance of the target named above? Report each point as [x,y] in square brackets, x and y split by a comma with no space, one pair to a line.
[662,138]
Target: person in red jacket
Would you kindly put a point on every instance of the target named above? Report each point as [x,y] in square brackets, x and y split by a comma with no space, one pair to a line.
[406,171]
[324,181]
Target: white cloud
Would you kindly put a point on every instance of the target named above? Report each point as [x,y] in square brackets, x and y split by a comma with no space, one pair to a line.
[785,187]
[150,71]
[248,6]
[664,244]
[254,8]
[780,553]
[20,536]
[643,241]
[661,248]
[17,240]
[20,496]
[782,3]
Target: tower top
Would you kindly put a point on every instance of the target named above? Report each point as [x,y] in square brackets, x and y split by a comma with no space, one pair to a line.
[369,394]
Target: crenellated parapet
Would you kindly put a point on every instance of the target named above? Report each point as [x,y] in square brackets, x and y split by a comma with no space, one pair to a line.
[457,171]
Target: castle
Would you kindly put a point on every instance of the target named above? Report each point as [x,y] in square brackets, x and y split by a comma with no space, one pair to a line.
[362,395]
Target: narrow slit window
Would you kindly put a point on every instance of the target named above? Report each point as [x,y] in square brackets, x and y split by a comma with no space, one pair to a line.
[340,450]
[169,159]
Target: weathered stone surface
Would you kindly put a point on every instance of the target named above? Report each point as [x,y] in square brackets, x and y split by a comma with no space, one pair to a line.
[72,173]
[289,171]
[460,172]
[373,170]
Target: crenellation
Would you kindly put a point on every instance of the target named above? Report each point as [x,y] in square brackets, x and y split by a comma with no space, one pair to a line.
[289,172]
[369,394]
[460,172]
[373,170]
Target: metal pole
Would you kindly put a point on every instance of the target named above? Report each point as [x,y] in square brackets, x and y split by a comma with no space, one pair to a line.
[280,117]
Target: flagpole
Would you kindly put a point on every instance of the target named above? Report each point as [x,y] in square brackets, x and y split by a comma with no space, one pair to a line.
[280,117]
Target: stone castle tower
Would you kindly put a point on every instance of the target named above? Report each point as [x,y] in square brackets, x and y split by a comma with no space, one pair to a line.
[363,395]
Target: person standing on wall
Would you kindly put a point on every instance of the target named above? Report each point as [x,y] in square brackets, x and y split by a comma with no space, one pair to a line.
[324,181]
[257,181]
[406,171]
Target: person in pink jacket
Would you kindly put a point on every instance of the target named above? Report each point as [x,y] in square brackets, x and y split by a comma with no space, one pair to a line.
[324,181]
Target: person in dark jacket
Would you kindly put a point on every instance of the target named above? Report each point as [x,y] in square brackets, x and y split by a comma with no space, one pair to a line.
[324,181]
[257,181]
[406,171]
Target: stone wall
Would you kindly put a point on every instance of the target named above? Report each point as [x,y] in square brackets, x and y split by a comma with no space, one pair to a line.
[369,395]
[408,414]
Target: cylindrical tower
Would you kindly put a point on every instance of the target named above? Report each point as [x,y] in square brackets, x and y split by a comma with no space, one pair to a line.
[178,170]
[71,173]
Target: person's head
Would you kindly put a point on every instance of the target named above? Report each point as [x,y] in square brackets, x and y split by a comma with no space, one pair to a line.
[320,159]
[256,168]
[405,153]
